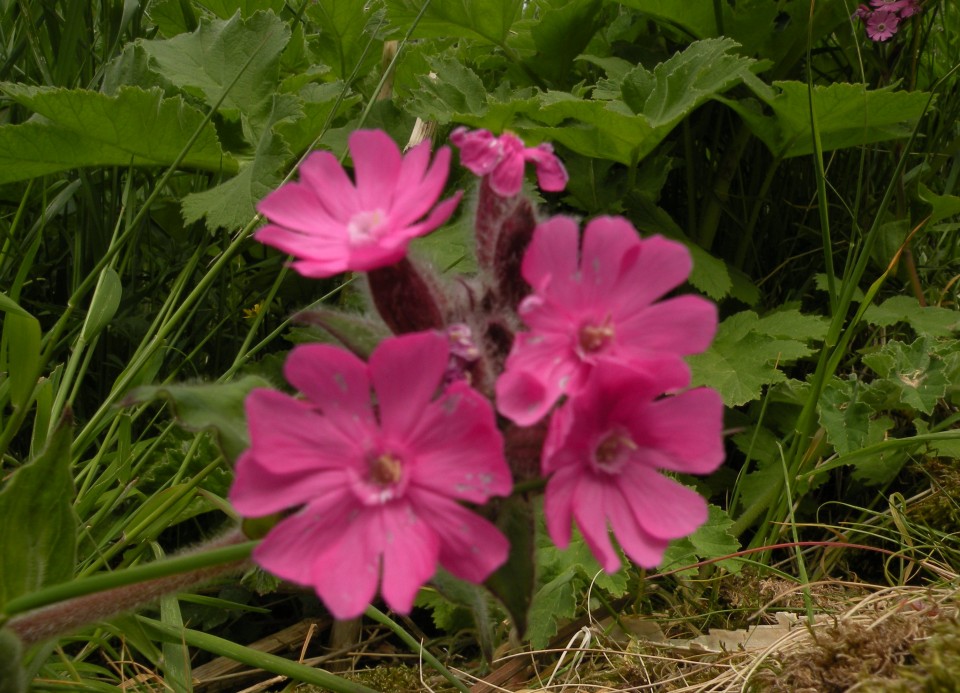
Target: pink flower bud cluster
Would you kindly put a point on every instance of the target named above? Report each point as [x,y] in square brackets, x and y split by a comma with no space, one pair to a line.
[882,17]
[567,334]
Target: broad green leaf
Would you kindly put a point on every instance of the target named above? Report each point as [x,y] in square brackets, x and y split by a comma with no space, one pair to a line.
[38,534]
[217,407]
[514,581]
[850,423]
[486,20]
[173,17]
[748,351]
[8,305]
[944,206]
[247,8]
[773,30]
[711,540]
[103,306]
[554,601]
[21,339]
[344,27]
[231,204]
[913,371]
[932,321]
[450,88]
[654,103]
[317,102]
[207,62]
[559,35]
[686,80]
[848,115]
[357,333]
[83,128]
[12,676]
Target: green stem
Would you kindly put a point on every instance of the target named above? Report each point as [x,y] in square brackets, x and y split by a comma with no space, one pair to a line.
[128,576]
[416,647]
[252,658]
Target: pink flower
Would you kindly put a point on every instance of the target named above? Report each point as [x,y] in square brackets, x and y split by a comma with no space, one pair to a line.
[862,12]
[331,225]
[882,24]
[604,449]
[904,8]
[376,485]
[596,305]
[503,159]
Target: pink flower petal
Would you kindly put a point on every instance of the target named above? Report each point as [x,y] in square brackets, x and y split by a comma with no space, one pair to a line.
[458,449]
[323,245]
[288,435]
[471,548]
[681,325]
[642,548]
[538,371]
[345,576]
[610,246]
[507,178]
[259,490]
[558,504]
[590,505]
[553,256]
[480,150]
[663,507]
[377,163]
[661,267]
[410,551]
[296,207]
[419,188]
[334,379]
[334,190]
[551,175]
[292,548]
[406,372]
[689,449]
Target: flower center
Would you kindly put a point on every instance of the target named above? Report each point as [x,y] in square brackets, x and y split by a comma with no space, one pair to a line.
[385,470]
[594,338]
[363,226]
[613,451]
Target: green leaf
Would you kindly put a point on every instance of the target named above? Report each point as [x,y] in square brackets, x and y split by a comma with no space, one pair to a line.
[748,351]
[173,17]
[83,128]
[487,20]
[8,305]
[850,423]
[944,206]
[231,204]
[686,80]
[916,374]
[344,27]
[554,601]
[931,321]
[217,407]
[21,340]
[514,581]
[38,534]
[712,539]
[357,333]
[655,103]
[560,34]
[452,88]
[206,62]
[12,676]
[247,8]
[848,115]
[103,306]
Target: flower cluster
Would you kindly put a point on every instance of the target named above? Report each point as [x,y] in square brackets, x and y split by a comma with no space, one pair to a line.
[882,17]
[567,335]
